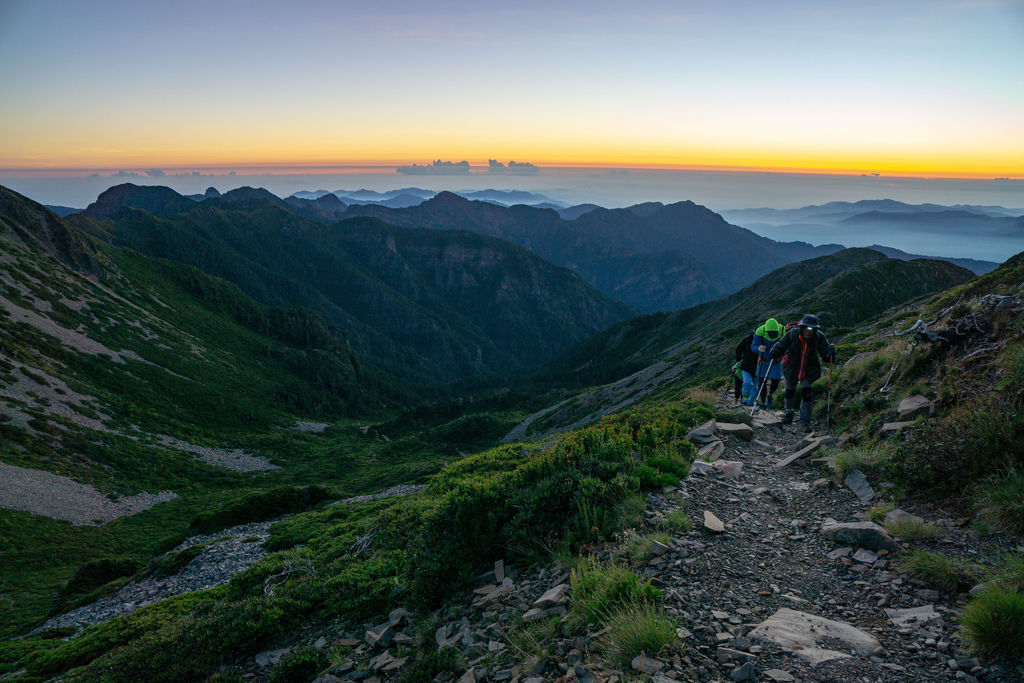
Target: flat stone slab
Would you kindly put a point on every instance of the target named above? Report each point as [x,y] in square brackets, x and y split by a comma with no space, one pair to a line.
[912,406]
[858,483]
[865,556]
[701,467]
[728,468]
[806,636]
[766,420]
[913,616]
[803,452]
[740,430]
[712,452]
[893,427]
[712,523]
[554,596]
[864,534]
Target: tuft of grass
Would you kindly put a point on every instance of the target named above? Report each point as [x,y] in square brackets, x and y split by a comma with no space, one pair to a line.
[878,512]
[597,591]
[638,548]
[702,396]
[992,623]
[676,520]
[937,570]
[844,461]
[1000,501]
[629,512]
[911,528]
[637,629]
[535,640]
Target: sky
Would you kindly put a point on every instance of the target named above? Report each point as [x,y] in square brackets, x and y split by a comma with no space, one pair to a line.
[932,88]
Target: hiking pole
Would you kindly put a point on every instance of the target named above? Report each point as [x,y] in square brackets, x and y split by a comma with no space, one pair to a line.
[828,409]
[763,382]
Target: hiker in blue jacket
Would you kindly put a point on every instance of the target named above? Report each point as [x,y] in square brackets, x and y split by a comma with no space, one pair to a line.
[765,337]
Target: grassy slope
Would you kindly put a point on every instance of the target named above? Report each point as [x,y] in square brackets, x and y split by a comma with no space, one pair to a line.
[216,369]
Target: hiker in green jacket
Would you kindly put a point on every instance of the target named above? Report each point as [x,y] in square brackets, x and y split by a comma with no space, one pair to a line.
[803,346]
[737,381]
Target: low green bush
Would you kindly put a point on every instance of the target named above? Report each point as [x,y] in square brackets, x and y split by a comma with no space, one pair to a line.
[949,455]
[299,666]
[878,512]
[992,623]
[842,461]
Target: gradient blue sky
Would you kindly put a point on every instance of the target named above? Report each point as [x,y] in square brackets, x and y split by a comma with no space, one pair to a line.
[933,87]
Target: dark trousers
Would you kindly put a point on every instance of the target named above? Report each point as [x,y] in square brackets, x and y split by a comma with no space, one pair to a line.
[737,387]
[767,391]
[806,395]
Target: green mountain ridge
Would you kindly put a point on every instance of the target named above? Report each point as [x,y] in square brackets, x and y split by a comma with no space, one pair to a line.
[396,312]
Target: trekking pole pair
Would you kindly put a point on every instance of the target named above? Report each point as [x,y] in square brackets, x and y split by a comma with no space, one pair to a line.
[763,382]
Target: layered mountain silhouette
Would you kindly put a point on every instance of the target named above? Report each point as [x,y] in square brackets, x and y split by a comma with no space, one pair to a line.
[442,306]
[961,233]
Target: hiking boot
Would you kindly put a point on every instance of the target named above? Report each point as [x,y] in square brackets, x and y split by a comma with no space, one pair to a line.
[808,427]
[787,419]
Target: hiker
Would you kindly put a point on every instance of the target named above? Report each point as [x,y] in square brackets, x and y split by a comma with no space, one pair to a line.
[737,381]
[805,347]
[769,373]
[747,359]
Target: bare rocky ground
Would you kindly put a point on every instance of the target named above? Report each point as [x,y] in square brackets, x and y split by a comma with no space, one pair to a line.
[739,595]
[44,493]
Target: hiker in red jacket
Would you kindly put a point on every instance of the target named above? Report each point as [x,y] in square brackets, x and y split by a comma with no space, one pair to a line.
[803,347]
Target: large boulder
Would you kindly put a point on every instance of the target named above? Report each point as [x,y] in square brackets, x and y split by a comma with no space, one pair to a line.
[863,534]
[813,638]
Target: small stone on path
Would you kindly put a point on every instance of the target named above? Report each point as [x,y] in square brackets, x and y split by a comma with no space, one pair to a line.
[647,665]
[713,523]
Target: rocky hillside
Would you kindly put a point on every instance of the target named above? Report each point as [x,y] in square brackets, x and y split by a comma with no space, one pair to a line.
[650,355]
[431,309]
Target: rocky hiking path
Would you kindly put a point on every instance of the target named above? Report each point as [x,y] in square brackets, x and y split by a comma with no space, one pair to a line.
[782,578]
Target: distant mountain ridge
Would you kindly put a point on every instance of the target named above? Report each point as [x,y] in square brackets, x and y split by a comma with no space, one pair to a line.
[652,256]
[979,236]
[402,305]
